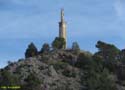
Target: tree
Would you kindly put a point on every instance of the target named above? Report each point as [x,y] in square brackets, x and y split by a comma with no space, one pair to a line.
[100,81]
[59,43]
[31,50]
[107,51]
[95,76]
[75,47]
[109,54]
[45,48]
[98,63]
[122,56]
[84,59]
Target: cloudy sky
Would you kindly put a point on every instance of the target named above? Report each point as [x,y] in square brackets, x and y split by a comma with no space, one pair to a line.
[25,21]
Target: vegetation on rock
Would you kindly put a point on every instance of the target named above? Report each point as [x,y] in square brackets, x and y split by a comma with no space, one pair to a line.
[31,50]
[75,47]
[59,43]
[45,48]
[62,69]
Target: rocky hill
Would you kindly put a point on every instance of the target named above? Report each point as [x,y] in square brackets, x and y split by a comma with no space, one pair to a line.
[48,70]
[61,70]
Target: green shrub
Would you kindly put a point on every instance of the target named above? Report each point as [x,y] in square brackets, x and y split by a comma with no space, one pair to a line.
[69,73]
[109,54]
[83,60]
[60,65]
[8,78]
[31,51]
[45,48]
[100,81]
[75,48]
[32,82]
[59,43]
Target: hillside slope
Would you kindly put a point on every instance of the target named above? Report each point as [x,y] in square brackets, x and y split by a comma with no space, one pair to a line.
[57,70]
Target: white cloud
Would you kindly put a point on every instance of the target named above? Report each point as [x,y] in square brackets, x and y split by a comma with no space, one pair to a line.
[120,9]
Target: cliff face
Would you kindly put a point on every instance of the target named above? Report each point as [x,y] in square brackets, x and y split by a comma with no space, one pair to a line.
[55,70]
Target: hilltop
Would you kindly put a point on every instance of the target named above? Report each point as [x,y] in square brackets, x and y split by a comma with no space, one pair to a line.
[67,69]
[48,69]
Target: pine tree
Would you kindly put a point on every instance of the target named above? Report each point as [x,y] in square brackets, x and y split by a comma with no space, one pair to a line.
[31,50]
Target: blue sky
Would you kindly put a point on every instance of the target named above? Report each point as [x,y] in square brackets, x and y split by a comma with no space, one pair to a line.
[25,21]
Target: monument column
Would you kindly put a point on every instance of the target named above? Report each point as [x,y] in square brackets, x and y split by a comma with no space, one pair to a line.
[62,26]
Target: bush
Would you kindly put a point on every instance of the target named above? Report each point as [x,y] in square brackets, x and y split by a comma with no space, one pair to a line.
[109,54]
[98,63]
[31,51]
[7,78]
[32,83]
[59,65]
[100,81]
[75,48]
[83,60]
[59,43]
[69,72]
[45,48]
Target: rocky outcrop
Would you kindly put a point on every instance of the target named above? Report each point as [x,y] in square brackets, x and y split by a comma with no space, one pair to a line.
[50,69]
